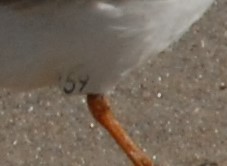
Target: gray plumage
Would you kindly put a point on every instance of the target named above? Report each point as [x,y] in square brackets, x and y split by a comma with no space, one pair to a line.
[90,43]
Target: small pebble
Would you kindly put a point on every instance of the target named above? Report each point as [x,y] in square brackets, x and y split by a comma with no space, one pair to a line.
[222,86]
[159,95]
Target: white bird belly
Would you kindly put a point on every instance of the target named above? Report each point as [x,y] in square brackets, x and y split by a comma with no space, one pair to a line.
[91,46]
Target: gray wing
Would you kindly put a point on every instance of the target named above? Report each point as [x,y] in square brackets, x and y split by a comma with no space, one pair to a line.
[29,4]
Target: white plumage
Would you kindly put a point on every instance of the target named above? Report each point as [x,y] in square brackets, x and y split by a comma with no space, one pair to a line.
[91,44]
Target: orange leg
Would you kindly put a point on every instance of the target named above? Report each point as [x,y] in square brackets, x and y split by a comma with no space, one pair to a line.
[101,111]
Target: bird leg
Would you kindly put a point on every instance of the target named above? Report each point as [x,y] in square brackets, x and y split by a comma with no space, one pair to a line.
[101,111]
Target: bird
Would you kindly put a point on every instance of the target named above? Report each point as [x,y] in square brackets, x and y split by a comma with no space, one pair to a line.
[86,47]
